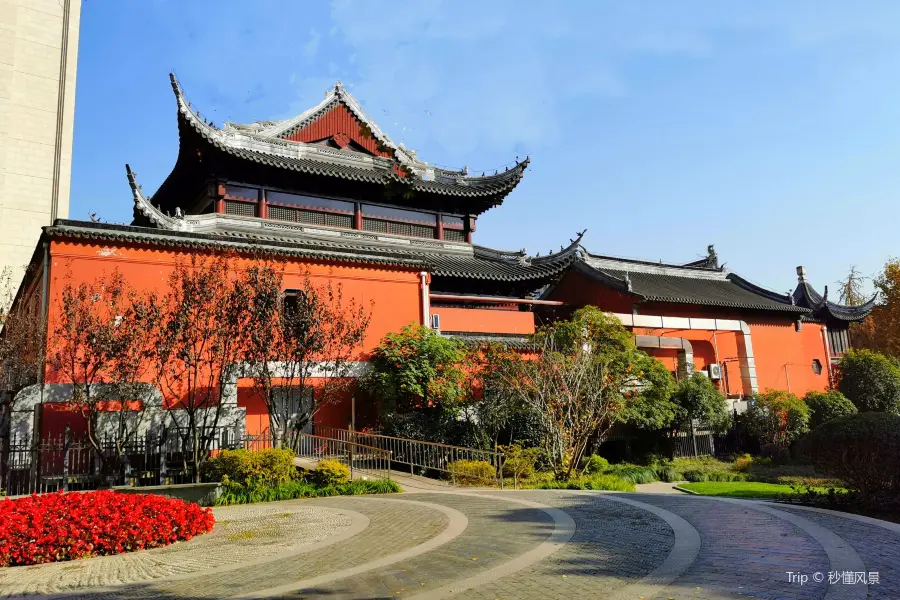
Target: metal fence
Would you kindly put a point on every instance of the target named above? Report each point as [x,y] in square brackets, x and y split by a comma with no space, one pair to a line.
[68,462]
[363,460]
[423,458]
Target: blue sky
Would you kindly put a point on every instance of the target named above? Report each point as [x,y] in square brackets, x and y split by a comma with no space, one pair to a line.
[768,128]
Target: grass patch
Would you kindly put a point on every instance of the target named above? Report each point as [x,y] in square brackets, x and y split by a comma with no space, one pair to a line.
[291,490]
[244,535]
[741,489]
[609,483]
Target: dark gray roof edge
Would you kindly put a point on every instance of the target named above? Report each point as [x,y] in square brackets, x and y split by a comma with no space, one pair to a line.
[147,235]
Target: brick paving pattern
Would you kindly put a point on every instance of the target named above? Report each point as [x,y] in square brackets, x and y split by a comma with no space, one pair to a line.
[878,547]
[744,552]
[497,532]
[614,544]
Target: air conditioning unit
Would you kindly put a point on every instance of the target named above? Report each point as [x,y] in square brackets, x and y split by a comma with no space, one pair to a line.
[715,371]
[436,322]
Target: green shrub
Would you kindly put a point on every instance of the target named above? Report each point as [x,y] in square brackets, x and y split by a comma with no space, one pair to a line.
[268,467]
[695,475]
[669,474]
[778,417]
[594,465]
[596,482]
[743,463]
[870,380]
[633,473]
[825,406]
[330,472]
[519,462]
[471,472]
[291,490]
[862,450]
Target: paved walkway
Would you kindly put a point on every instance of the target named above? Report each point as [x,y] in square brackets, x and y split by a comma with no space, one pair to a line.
[538,544]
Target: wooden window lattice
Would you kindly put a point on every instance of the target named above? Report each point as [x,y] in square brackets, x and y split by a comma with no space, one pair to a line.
[243,209]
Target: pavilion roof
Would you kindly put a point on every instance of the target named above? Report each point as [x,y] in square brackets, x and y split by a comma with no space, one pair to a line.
[824,309]
[266,143]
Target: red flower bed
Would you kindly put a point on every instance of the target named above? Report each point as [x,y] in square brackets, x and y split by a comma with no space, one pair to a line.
[55,527]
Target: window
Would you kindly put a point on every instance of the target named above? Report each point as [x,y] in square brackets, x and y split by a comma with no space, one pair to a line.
[397,214]
[293,305]
[454,235]
[817,366]
[244,209]
[295,405]
[310,202]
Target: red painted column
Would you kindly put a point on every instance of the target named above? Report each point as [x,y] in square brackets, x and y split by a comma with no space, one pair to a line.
[470,227]
[220,199]
[440,227]
[357,216]
[263,206]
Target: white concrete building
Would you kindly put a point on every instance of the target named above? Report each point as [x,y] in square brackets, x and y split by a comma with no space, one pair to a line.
[38,60]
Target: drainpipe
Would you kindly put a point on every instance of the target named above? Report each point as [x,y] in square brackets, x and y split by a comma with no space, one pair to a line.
[45,303]
[426,312]
[827,355]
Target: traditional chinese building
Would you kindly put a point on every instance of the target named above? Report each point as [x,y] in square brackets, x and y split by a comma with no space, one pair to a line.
[333,197]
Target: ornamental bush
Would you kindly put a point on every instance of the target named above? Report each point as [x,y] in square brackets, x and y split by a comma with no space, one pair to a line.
[778,417]
[262,468]
[330,472]
[825,406]
[519,462]
[870,380]
[594,465]
[472,472]
[862,450]
[56,527]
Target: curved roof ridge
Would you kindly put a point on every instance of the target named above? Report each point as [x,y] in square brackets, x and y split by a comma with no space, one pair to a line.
[601,262]
[339,94]
[806,294]
[758,289]
[144,207]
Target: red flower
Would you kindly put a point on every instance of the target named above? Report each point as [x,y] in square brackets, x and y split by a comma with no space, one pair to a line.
[55,527]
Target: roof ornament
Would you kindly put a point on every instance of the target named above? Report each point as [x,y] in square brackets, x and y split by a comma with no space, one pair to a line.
[825,295]
[712,259]
[791,296]
[178,213]
[801,273]
[465,170]
[628,285]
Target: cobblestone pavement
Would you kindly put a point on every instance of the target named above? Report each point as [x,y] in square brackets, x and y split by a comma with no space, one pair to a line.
[542,544]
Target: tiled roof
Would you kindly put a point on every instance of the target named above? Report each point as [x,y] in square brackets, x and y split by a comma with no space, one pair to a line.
[510,340]
[441,260]
[684,284]
[823,309]
[262,145]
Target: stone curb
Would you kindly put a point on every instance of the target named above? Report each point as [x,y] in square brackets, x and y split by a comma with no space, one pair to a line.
[687,491]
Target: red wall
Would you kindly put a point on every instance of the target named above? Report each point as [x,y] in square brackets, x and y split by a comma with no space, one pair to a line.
[393,294]
[484,320]
[777,344]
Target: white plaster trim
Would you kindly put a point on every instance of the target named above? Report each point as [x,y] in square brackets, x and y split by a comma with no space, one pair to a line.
[745,343]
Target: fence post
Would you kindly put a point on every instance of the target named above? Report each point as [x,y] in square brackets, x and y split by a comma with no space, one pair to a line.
[66,447]
[162,456]
[694,438]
